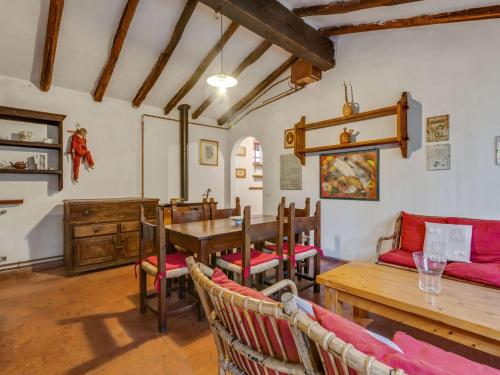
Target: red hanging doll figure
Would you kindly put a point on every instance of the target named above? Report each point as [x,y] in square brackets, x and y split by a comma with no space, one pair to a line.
[79,150]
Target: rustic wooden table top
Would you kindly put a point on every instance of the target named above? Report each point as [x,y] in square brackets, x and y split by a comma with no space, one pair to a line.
[212,228]
[470,307]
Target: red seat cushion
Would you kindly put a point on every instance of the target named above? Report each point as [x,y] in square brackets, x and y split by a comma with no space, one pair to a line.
[413,366]
[413,230]
[444,360]
[299,248]
[352,333]
[173,261]
[398,257]
[485,273]
[256,257]
[485,245]
[285,333]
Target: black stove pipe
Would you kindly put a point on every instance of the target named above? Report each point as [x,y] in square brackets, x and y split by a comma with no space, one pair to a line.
[183,141]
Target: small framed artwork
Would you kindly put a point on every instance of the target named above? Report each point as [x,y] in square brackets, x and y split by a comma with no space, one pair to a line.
[289,138]
[241,173]
[350,175]
[241,151]
[209,152]
[497,148]
[438,157]
[42,162]
[438,128]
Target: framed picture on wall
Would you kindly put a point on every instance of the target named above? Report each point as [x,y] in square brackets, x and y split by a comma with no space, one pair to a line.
[241,151]
[241,173]
[289,138]
[350,175]
[438,128]
[209,152]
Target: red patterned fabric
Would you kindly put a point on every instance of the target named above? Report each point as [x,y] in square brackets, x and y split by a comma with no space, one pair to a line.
[485,273]
[444,360]
[285,333]
[398,257]
[485,244]
[413,230]
[172,261]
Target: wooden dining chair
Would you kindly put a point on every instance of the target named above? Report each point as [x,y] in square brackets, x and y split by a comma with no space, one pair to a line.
[249,261]
[162,267]
[224,213]
[182,215]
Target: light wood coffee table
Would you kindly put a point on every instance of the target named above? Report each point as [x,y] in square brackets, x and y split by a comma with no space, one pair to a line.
[465,313]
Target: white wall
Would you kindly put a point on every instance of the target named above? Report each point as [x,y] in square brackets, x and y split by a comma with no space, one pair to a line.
[447,69]
[34,229]
[241,186]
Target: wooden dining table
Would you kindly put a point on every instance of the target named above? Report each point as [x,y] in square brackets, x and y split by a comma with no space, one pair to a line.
[210,236]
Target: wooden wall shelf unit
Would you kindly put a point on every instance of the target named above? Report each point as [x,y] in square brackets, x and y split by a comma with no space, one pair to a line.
[399,110]
[35,117]
[255,188]
[11,201]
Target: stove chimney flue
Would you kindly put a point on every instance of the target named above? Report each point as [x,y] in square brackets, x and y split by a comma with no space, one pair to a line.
[183,141]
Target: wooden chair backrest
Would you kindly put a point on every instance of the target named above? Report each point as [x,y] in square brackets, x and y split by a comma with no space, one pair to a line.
[336,356]
[303,224]
[153,234]
[182,215]
[224,213]
[235,320]
[306,211]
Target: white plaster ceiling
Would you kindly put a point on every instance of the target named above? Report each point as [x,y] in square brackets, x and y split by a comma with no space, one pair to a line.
[88,28]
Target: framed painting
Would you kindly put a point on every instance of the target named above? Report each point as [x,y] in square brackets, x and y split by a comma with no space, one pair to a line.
[289,138]
[241,151]
[350,175]
[438,128]
[241,173]
[497,148]
[209,152]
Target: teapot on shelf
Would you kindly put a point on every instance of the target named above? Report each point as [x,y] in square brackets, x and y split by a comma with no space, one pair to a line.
[19,165]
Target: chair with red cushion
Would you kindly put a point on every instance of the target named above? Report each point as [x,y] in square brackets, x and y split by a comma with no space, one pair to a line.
[249,261]
[224,213]
[162,267]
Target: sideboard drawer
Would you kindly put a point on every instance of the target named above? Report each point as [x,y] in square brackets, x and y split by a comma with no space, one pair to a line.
[130,226]
[94,230]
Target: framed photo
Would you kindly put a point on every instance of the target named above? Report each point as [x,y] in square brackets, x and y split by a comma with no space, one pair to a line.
[438,128]
[241,173]
[350,175]
[438,157]
[289,138]
[209,152]
[241,151]
[497,147]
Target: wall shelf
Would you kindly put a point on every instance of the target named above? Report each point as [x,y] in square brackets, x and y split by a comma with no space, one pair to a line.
[255,188]
[11,201]
[401,139]
[35,118]
[258,176]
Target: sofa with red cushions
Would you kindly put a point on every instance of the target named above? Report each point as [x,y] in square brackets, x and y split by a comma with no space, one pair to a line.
[409,236]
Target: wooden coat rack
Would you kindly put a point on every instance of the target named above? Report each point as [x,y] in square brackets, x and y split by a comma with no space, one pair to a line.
[401,138]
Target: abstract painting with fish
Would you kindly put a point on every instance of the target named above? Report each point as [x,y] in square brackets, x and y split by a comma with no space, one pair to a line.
[350,175]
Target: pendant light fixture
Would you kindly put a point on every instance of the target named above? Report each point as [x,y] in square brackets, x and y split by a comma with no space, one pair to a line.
[221,81]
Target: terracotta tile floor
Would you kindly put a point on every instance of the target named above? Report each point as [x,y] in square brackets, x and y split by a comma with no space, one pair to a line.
[90,324]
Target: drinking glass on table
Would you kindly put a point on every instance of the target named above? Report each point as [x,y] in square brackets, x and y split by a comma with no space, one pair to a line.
[430,268]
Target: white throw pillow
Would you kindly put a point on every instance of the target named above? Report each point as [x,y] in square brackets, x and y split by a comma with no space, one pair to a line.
[452,241]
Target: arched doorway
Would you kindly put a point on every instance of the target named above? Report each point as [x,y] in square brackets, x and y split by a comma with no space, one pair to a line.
[247,165]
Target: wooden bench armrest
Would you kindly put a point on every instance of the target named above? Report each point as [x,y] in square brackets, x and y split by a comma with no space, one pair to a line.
[381,240]
[286,283]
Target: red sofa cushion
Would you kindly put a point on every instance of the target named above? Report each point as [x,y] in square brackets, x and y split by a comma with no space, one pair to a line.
[352,333]
[413,230]
[398,257]
[435,356]
[485,245]
[485,273]
[413,366]
[221,279]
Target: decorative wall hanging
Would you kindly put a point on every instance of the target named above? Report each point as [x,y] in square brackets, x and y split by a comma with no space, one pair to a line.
[209,152]
[290,172]
[350,175]
[289,138]
[241,173]
[438,157]
[79,151]
[438,128]
[241,151]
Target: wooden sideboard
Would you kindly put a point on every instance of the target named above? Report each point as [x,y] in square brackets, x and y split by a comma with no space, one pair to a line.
[100,233]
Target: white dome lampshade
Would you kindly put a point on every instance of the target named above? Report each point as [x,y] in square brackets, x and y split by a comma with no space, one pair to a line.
[222,81]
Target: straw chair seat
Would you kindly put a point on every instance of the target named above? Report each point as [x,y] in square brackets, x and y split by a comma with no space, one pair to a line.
[259,262]
[175,265]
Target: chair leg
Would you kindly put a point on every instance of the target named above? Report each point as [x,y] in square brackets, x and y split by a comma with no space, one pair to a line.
[143,290]
[299,270]
[317,264]
[306,266]
[162,306]
[169,287]
[182,286]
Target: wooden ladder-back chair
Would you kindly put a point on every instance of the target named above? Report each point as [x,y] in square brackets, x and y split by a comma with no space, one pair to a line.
[225,213]
[182,215]
[250,261]
[161,266]
[253,336]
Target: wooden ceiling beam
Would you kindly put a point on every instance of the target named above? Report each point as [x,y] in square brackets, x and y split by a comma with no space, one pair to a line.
[337,7]
[163,59]
[51,37]
[256,91]
[473,14]
[249,60]
[274,22]
[119,39]
[211,55]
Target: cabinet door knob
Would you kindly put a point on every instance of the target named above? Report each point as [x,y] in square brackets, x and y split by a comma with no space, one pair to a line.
[86,212]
